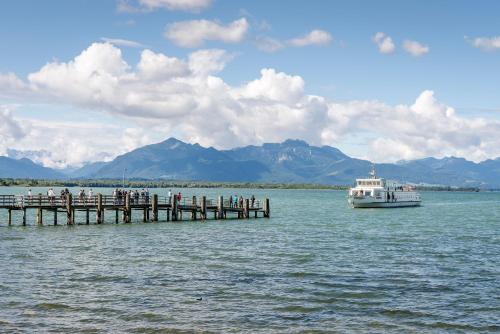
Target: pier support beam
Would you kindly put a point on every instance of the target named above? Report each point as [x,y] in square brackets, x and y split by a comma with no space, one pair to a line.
[174,208]
[69,210]
[193,212]
[39,217]
[116,216]
[55,217]
[203,207]
[87,216]
[98,211]
[246,209]
[220,207]
[9,217]
[24,216]
[155,207]
[267,208]
[128,210]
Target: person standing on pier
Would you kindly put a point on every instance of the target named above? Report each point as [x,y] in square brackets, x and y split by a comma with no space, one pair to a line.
[30,196]
[52,196]
[89,196]
[241,201]
[252,200]
[170,195]
[231,201]
[179,197]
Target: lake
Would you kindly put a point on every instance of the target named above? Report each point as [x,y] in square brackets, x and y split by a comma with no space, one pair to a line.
[315,265]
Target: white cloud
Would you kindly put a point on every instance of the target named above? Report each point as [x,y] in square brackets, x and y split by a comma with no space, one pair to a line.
[384,43]
[10,129]
[122,42]
[415,48]
[268,44]
[164,95]
[484,43]
[315,37]
[195,32]
[149,5]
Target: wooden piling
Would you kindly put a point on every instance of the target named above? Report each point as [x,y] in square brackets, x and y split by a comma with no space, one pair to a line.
[154,206]
[128,210]
[174,208]
[116,216]
[55,217]
[9,217]
[144,215]
[98,212]
[24,216]
[193,212]
[246,209]
[69,209]
[203,207]
[87,216]
[267,208]
[220,207]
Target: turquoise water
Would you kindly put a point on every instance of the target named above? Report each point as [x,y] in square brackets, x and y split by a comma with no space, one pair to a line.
[315,265]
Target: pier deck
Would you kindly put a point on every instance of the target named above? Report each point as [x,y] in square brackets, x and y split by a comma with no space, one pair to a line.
[150,206]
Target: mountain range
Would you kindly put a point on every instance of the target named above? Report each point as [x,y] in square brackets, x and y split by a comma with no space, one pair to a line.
[292,161]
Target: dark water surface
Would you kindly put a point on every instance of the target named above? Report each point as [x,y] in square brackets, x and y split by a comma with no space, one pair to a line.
[316,265]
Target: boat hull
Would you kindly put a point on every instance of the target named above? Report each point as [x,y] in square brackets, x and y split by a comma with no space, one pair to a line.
[402,204]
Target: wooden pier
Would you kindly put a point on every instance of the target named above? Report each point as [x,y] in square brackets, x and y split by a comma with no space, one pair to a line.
[122,208]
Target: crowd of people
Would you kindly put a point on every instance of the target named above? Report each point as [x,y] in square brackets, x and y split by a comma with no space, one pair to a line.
[237,202]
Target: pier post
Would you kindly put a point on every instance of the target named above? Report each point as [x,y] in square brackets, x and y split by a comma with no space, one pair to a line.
[220,207]
[174,208]
[39,218]
[246,209]
[116,216]
[55,217]
[69,209]
[204,207]
[155,207]
[168,214]
[193,212]
[267,208]
[98,212]
[144,215]
[24,216]
[87,216]
[128,210]
[9,217]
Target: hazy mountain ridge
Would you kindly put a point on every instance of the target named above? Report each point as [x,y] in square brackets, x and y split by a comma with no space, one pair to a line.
[292,161]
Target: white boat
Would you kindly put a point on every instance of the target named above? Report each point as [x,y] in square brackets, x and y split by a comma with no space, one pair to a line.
[375,192]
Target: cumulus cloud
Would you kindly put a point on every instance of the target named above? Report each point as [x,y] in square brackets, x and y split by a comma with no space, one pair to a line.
[384,43]
[128,6]
[194,33]
[315,37]
[122,42]
[415,48]
[484,43]
[11,130]
[164,95]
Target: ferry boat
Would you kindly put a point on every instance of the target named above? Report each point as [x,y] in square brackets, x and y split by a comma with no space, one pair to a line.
[375,192]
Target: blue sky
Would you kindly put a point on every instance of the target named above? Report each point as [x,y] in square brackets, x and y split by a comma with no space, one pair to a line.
[461,73]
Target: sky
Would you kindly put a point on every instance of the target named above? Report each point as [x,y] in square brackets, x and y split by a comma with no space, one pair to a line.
[84,81]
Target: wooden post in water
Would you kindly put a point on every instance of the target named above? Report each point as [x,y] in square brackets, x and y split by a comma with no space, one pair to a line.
[24,216]
[98,212]
[155,207]
[246,209]
[55,217]
[193,212]
[174,208]
[168,214]
[9,217]
[220,207]
[128,210]
[204,207]
[116,216]
[144,215]
[69,209]
[39,216]
[87,216]
[267,208]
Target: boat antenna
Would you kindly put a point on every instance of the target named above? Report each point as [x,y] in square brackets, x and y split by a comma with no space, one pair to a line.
[372,172]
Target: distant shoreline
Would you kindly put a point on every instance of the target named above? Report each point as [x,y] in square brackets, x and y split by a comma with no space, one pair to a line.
[115,183]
